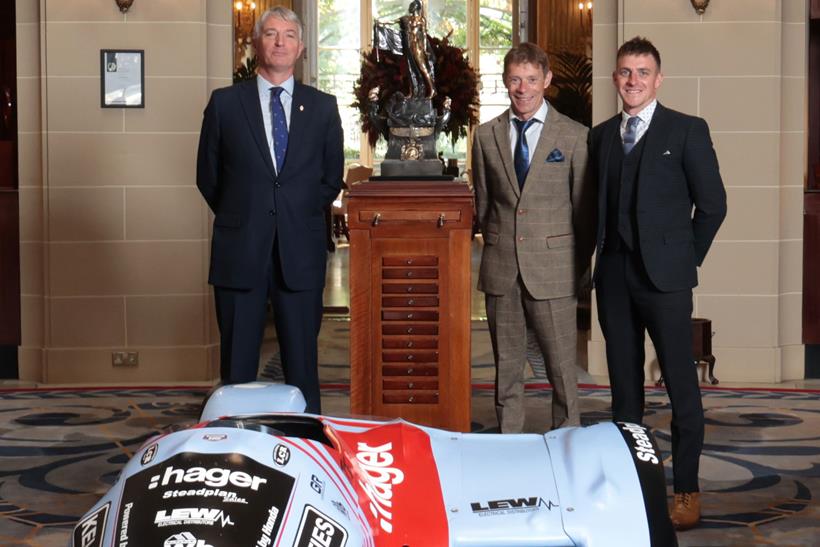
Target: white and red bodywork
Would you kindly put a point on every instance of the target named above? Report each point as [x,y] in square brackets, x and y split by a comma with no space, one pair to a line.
[250,476]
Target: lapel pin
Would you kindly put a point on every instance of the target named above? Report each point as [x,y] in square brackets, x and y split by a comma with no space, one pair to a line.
[301,108]
[667,153]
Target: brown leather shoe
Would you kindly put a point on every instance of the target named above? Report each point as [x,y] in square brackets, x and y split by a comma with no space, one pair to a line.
[686,511]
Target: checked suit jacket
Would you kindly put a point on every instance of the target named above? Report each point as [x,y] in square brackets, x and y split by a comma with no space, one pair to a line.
[252,203]
[545,231]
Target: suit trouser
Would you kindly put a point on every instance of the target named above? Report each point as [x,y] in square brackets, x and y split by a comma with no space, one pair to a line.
[554,323]
[628,305]
[297,316]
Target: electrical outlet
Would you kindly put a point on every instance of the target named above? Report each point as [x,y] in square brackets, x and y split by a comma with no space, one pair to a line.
[125,358]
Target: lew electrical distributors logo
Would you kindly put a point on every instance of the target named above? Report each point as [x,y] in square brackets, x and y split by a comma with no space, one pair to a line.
[511,506]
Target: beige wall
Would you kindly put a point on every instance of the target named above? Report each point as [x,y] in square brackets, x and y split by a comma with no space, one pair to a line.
[114,235]
[742,67]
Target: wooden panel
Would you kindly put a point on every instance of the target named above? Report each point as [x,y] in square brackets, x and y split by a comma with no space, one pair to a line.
[409,301]
[403,383]
[410,398]
[410,373]
[815,9]
[410,316]
[410,357]
[410,261]
[423,288]
[811,268]
[410,329]
[9,270]
[410,273]
[408,342]
[410,370]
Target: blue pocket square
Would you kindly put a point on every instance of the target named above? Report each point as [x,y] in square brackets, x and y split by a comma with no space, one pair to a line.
[555,156]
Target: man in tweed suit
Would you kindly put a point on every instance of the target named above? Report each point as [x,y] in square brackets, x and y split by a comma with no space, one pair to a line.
[536,213]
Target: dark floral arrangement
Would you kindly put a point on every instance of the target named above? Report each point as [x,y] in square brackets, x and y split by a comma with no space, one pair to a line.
[454,78]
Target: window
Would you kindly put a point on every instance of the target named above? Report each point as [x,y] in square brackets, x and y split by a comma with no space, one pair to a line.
[483,27]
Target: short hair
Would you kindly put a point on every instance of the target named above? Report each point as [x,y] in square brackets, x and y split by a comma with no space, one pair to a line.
[639,46]
[280,13]
[526,52]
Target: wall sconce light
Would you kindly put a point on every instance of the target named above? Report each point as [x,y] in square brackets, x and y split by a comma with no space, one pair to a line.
[700,6]
[124,4]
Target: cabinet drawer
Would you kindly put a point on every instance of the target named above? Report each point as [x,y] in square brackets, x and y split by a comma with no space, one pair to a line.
[409,316]
[410,356]
[410,329]
[409,370]
[407,342]
[410,288]
[410,398]
[413,383]
[409,273]
[409,261]
[409,301]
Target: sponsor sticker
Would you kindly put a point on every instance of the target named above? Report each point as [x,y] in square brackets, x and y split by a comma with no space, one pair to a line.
[281,455]
[185,539]
[149,454]
[199,500]
[215,437]
[511,506]
[340,508]
[192,516]
[318,530]
[317,484]
[89,532]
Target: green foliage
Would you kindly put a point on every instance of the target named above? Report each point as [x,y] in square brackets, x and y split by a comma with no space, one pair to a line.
[571,88]
[247,71]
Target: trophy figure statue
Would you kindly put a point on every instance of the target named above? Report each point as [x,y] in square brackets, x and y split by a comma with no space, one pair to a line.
[409,119]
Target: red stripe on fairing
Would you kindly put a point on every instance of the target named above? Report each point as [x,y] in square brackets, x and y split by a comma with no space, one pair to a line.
[392,468]
[287,512]
[331,471]
[349,495]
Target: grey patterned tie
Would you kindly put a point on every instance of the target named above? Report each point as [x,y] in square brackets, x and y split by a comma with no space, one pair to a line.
[630,134]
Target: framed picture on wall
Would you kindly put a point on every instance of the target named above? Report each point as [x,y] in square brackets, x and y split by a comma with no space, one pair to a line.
[122,78]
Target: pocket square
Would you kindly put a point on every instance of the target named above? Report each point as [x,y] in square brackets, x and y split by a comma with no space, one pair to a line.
[555,156]
[667,153]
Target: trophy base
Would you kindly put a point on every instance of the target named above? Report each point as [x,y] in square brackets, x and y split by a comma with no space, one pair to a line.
[411,168]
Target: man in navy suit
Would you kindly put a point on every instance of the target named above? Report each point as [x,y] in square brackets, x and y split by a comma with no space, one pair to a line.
[270,161]
[660,203]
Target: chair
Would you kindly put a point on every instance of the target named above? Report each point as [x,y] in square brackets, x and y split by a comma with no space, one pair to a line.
[355,173]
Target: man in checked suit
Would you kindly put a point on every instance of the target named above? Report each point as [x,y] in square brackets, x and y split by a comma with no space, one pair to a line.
[660,203]
[270,160]
[536,213]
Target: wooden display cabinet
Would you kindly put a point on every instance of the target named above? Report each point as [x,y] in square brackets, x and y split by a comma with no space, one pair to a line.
[410,301]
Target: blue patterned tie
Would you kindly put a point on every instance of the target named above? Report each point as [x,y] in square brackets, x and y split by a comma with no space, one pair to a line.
[521,160]
[280,128]
[630,134]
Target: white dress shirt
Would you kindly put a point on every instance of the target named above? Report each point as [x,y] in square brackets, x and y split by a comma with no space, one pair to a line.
[286,97]
[645,117]
[533,132]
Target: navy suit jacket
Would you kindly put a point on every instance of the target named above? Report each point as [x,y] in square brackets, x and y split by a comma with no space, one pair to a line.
[680,201]
[235,175]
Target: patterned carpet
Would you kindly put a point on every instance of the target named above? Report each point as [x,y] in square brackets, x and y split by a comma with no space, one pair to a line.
[760,471]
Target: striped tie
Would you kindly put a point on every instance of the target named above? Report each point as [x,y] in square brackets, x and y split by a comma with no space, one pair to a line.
[631,134]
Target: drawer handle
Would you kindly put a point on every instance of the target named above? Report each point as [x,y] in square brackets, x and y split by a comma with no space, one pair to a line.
[409,289]
[410,344]
[411,399]
[411,385]
[411,302]
[409,316]
[411,357]
[409,330]
[377,218]
[441,220]
[409,371]
[409,274]
[409,261]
